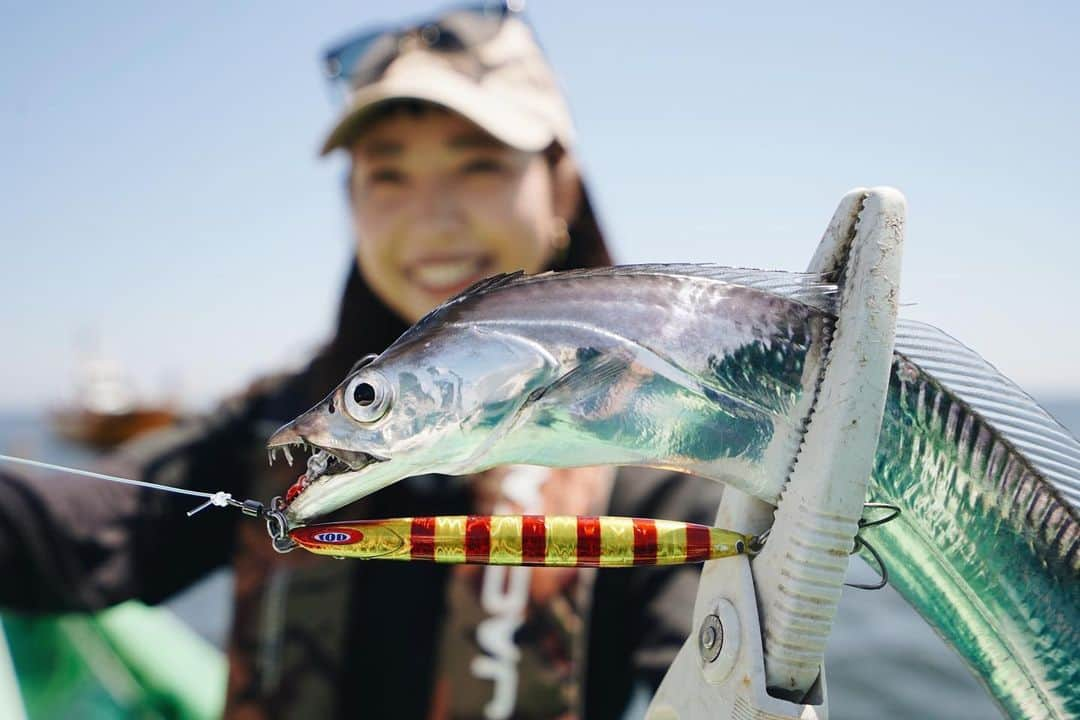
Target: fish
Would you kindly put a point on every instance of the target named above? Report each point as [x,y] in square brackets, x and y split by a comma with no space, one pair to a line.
[987,544]
[543,540]
[541,370]
[713,371]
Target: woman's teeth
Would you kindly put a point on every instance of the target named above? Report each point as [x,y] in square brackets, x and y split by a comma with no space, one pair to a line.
[447,274]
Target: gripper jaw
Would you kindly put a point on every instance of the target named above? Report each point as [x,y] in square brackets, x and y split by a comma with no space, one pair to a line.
[758,640]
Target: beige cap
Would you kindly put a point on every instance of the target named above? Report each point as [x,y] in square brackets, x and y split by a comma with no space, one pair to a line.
[504,85]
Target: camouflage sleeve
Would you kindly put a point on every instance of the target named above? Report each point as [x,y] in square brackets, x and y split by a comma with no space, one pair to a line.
[74,544]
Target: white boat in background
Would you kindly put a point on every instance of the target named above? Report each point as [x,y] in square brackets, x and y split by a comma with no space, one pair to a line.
[107,410]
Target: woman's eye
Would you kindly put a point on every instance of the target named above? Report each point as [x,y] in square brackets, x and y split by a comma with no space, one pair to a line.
[386,176]
[481,166]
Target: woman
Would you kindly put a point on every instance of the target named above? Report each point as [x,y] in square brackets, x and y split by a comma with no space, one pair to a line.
[461,167]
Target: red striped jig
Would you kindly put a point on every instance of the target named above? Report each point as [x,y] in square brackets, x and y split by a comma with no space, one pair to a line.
[558,541]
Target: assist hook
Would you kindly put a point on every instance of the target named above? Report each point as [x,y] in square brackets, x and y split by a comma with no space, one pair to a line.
[860,542]
[757,543]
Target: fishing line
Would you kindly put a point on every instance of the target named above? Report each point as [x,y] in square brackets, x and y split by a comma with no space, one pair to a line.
[217,499]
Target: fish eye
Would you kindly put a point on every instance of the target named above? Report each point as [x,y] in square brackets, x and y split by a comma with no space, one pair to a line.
[363,394]
[367,398]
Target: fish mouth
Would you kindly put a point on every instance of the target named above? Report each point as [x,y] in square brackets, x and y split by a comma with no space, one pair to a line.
[323,464]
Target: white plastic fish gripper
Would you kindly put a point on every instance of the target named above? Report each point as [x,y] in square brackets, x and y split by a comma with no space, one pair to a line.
[759,626]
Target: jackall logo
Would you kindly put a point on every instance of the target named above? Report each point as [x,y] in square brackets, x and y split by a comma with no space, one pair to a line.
[504,596]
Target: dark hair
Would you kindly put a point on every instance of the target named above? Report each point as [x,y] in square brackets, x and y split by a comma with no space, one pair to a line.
[366,325]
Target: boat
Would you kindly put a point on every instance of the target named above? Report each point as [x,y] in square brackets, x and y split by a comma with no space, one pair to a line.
[108,411]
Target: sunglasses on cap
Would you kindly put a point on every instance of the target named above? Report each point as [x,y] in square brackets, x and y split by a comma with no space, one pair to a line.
[364,58]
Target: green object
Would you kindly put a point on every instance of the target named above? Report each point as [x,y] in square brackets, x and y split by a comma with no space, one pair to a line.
[985,547]
[131,661]
[10,699]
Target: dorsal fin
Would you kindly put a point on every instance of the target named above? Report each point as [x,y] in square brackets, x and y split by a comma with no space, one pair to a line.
[811,289]
[478,288]
[815,290]
[489,283]
[1051,449]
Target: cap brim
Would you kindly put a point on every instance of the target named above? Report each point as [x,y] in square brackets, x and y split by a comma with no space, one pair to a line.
[514,126]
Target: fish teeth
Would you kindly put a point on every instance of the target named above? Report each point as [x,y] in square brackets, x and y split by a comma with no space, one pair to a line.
[288,454]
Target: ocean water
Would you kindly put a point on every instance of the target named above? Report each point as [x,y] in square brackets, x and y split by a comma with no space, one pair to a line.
[882,659]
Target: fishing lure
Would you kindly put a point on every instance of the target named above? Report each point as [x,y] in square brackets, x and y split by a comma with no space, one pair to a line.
[547,540]
[551,540]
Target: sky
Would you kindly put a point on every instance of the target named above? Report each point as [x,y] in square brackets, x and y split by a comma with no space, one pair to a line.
[162,198]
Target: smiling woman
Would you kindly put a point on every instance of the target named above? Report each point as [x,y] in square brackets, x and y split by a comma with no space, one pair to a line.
[462,167]
[439,204]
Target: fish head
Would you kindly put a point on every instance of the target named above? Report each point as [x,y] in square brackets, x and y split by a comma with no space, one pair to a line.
[424,406]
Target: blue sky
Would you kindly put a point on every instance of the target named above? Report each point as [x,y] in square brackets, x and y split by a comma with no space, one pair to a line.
[161,190]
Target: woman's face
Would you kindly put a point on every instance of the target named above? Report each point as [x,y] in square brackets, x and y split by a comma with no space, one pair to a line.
[439,204]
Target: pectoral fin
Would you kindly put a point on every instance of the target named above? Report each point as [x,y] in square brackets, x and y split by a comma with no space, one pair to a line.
[580,394]
[591,377]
